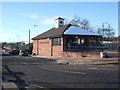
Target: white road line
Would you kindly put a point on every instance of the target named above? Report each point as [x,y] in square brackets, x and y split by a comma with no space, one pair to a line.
[92,68]
[23,63]
[109,69]
[99,69]
[36,63]
[62,71]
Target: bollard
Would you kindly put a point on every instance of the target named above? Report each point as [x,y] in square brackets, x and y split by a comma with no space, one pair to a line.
[103,54]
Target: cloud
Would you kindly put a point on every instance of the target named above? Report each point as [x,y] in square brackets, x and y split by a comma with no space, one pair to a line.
[5,35]
[49,20]
[32,16]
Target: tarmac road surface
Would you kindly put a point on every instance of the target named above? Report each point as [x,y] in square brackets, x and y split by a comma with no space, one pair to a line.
[31,72]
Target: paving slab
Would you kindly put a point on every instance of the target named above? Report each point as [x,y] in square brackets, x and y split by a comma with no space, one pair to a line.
[9,85]
[83,60]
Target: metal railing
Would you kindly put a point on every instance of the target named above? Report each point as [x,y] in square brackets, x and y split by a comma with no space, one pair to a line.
[112,46]
[85,48]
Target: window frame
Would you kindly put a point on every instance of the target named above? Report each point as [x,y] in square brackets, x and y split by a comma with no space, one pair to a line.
[56,42]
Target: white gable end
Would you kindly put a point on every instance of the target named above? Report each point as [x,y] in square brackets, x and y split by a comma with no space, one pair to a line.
[74,30]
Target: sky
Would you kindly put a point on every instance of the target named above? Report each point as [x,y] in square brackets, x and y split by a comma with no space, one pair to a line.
[20,17]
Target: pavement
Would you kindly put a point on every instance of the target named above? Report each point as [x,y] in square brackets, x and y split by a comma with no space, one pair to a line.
[112,58]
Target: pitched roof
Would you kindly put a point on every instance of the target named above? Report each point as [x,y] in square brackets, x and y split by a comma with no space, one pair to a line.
[59,18]
[54,32]
[64,30]
[74,30]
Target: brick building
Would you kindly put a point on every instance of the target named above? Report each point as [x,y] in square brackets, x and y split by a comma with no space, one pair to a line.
[65,40]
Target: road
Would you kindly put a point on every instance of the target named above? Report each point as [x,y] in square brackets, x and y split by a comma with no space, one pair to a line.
[31,72]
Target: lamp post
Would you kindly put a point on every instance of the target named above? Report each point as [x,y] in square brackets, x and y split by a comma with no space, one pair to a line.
[36,26]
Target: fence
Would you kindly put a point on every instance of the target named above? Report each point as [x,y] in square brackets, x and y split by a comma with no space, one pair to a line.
[85,48]
[112,46]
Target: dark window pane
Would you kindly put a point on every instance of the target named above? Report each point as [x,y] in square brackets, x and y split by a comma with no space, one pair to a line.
[57,42]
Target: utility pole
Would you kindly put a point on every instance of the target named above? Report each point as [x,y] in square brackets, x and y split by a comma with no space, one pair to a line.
[29,41]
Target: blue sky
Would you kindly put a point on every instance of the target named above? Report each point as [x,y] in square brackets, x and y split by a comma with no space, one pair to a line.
[20,17]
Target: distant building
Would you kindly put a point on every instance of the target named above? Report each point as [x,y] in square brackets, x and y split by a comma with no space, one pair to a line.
[65,40]
[6,47]
[27,47]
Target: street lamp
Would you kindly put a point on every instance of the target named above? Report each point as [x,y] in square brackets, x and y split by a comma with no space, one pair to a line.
[36,26]
[37,40]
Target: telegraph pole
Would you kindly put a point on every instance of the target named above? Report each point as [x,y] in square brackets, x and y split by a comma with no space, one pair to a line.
[29,41]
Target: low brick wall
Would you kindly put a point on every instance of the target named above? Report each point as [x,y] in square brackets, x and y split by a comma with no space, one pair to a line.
[78,54]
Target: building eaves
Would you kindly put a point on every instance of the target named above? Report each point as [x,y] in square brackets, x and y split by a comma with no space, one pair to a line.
[54,32]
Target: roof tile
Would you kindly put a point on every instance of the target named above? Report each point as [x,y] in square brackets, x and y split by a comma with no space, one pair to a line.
[54,32]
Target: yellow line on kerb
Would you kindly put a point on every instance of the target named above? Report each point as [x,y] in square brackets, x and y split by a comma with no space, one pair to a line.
[39,86]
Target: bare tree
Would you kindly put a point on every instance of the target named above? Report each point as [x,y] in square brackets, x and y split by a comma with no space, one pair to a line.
[106,30]
[85,24]
[66,21]
[75,21]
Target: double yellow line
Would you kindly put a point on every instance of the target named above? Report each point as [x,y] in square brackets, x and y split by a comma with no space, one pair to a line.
[43,88]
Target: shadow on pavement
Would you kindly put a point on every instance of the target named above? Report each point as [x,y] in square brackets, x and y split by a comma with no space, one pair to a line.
[14,77]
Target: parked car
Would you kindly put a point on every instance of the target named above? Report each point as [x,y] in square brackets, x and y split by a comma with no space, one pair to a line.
[23,53]
[10,51]
[4,50]
[14,52]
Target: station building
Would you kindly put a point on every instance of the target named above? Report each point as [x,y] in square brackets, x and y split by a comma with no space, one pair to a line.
[66,41]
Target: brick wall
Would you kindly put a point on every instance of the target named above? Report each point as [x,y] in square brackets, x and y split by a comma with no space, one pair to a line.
[44,48]
[58,50]
[78,54]
[34,47]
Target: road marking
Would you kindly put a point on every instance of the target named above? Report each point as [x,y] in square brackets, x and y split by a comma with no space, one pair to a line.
[39,86]
[36,63]
[99,69]
[109,69]
[23,63]
[92,68]
[62,71]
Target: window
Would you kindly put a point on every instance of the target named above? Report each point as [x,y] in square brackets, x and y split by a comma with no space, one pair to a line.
[57,42]
[61,22]
[44,42]
[82,41]
[92,41]
[79,41]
